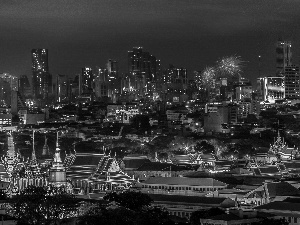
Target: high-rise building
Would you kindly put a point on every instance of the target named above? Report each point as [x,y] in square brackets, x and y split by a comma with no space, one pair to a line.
[292,82]
[17,102]
[283,56]
[8,84]
[142,67]
[271,88]
[86,81]
[101,83]
[24,86]
[12,80]
[112,69]
[63,91]
[114,81]
[41,78]
[175,75]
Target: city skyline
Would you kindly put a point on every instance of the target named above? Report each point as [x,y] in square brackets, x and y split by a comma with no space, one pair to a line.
[190,34]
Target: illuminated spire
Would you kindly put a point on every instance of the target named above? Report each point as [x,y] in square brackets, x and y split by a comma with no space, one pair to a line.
[33,156]
[45,147]
[57,158]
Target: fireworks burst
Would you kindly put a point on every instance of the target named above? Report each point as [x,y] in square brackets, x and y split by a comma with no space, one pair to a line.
[208,74]
[229,66]
[205,78]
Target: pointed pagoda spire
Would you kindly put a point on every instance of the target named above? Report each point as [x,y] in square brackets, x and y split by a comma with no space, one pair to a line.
[57,158]
[45,147]
[33,156]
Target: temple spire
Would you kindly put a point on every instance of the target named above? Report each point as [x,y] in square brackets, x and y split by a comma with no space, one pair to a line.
[57,158]
[33,156]
[45,147]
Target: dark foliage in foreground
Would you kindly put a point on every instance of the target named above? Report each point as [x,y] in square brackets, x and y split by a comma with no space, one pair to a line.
[127,208]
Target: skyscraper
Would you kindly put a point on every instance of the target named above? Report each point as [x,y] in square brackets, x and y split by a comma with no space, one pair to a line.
[142,68]
[292,82]
[283,56]
[62,88]
[271,88]
[24,86]
[41,78]
[101,83]
[86,81]
[112,69]
[8,84]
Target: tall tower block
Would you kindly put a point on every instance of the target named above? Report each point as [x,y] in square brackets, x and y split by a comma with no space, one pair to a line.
[283,56]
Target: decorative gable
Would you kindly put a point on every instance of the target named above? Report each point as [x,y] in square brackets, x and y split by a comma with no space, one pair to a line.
[114,166]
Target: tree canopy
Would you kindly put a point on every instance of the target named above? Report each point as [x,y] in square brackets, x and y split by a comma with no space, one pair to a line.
[129,199]
[131,208]
[42,205]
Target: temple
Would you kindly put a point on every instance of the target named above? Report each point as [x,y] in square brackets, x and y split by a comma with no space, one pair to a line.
[85,174]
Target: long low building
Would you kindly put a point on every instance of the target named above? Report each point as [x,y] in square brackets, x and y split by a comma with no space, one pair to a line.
[179,186]
[289,209]
[184,206]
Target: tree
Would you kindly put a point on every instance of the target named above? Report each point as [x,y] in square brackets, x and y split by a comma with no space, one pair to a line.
[129,199]
[131,208]
[205,147]
[42,205]
[153,215]
[181,144]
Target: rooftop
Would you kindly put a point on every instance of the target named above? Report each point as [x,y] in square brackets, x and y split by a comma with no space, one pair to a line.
[211,201]
[184,181]
[157,166]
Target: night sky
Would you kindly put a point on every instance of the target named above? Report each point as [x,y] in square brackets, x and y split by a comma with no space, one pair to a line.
[186,33]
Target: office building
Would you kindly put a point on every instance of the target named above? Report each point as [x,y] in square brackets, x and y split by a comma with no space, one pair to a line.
[271,88]
[292,82]
[283,56]
[17,102]
[142,67]
[24,86]
[8,84]
[101,88]
[63,91]
[112,69]
[41,78]
[243,93]
[10,79]
[175,75]
[86,81]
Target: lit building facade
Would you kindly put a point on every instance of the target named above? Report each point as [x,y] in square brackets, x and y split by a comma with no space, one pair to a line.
[292,82]
[86,81]
[8,84]
[121,113]
[271,88]
[113,79]
[243,93]
[41,78]
[63,91]
[101,83]
[142,67]
[244,109]
[112,69]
